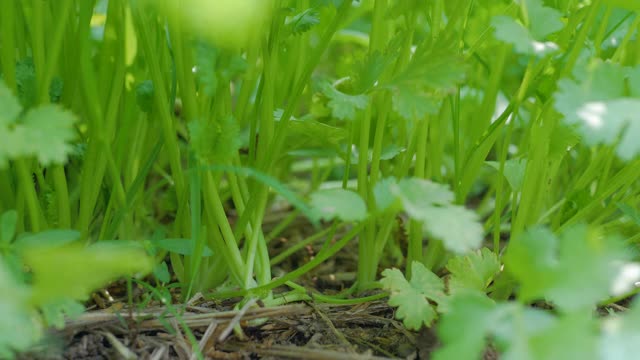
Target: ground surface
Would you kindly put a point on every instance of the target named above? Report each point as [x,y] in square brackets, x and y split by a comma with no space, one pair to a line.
[302,330]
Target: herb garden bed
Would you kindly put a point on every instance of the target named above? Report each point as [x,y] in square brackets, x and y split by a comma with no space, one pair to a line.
[320,179]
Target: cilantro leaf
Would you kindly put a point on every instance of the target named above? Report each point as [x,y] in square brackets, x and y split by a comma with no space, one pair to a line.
[472,312]
[338,203]
[44,132]
[543,21]
[512,32]
[54,312]
[514,326]
[432,204]
[575,270]
[518,331]
[10,106]
[343,106]
[600,105]
[370,69]
[26,82]
[513,171]
[310,133]
[433,71]
[215,67]
[303,21]
[18,326]
[214,141]
[473,271]
[620,334]
[67,272]
[412,297]
[606,121]
[384,197]
[413,103]
[144,95]
[48,132]
[572,336]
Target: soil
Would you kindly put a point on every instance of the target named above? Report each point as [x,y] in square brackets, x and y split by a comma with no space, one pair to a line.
[301,330]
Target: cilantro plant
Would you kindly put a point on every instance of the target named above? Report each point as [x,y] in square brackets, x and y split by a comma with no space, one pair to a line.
[480,155]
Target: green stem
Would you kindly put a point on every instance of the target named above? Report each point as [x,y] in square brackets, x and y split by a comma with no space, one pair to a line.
[33,204]
[8,48]
[321,257]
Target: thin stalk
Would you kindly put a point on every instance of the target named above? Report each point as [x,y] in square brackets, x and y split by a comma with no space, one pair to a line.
[31,198]
[414,251]
[300,245]
[161,101]
[292,275]
[8,40]
[578,42]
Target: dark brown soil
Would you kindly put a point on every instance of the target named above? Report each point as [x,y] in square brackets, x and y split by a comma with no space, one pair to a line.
[295,331]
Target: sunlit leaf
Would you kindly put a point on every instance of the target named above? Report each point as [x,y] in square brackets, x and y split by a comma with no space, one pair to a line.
[602,107]
[73,271]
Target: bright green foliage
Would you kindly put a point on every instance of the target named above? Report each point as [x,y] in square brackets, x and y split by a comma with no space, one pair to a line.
[620,336]
[631,212]
[144,95]
[7,227]
[338,203]
[474,271]
[26,82]
[385,198]
[434,70]
[476,312]
[44,132]
[394,106]
[574,270]
[309,133]
[10,106]
[530,40]
[179,246]
[517,331]
[370,69]
[432,204]
[69,272]
[412,297]
[543,20]
[161,272]
[215,67]
[303,21]
[625,4]
[343,106]
[214,141]
[54,312]
[19,326]
[513,171]
[572,336]
[600,105]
